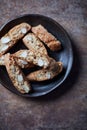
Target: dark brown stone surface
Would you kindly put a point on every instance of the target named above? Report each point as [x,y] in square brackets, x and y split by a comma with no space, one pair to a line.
[65,108]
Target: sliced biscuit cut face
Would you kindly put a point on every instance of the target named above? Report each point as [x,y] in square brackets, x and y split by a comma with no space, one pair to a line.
[46,74]
[12,36]
[17,77]
[33,58]
[19,31]
[33,43]
[21,63]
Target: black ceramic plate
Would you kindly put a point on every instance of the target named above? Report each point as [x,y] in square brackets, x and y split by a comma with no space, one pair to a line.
[64,55]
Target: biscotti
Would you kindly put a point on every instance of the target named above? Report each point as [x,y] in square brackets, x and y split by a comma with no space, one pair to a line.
[19,31]
[20,62]
[11,38]
[33,58]
[46,74]
[33,43]
[46,37]
[16,75]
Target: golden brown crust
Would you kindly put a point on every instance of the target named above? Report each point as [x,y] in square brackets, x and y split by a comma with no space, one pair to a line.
[46,74]
[33,58]
[33,43]
[47,38]
[16,75]
[11,38]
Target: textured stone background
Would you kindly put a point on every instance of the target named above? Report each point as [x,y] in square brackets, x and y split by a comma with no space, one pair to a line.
[64,109]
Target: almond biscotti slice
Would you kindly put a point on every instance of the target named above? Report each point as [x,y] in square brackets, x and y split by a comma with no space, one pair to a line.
[21,63]
[17,77]
[19,31]
[33,43]
[11,38]
[33,57]
[46,74]
[47,38]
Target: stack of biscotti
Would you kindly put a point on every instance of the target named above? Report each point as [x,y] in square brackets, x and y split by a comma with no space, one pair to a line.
[36,54]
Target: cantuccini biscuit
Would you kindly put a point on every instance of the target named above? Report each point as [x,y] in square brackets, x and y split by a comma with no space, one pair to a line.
[20,62]
[46,37]
[46,74]
[16,75]
[11,38]
[33,58]
[19,31]
[33,43]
